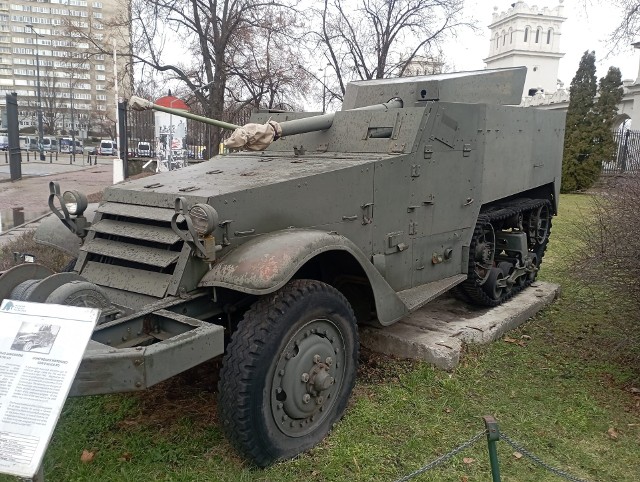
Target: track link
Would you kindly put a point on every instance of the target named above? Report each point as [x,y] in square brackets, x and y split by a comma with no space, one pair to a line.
[471,289]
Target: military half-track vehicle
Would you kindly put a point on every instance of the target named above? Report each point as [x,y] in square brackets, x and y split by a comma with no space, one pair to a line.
[417,186]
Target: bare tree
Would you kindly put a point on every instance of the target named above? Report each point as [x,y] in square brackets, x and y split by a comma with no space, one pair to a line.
[628,29]
[380,38]
[214,32]
[265,70]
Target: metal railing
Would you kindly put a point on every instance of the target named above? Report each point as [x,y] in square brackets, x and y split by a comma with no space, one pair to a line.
[627,155]
[493,437]
[140,127]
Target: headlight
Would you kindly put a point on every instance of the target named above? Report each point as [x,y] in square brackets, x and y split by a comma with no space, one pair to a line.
[75,202]
[204,219]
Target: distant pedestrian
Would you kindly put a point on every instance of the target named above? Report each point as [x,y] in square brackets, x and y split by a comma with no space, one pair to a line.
[205,154]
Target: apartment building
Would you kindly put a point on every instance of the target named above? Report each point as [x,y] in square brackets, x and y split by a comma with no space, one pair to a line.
[76,80]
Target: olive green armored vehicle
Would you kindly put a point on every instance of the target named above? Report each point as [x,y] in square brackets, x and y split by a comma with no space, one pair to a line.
[273,258]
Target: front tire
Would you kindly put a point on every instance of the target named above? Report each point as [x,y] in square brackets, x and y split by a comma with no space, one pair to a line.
[289,371]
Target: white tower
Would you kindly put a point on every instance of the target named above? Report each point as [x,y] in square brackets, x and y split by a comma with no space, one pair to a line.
[528,36]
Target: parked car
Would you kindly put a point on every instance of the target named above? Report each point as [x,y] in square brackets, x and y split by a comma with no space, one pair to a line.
[144,149]
[107,148]
[4,143]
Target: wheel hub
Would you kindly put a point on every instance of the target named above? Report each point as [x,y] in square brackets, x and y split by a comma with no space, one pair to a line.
[308,374]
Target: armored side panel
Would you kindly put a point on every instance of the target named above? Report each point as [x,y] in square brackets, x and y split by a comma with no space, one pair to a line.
[495,86]
[520,150]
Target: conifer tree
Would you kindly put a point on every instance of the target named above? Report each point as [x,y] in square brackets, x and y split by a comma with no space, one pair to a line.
[606,110]
[580,167]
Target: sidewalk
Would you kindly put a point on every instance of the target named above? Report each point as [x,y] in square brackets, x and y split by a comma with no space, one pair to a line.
[35,167]
[26,199]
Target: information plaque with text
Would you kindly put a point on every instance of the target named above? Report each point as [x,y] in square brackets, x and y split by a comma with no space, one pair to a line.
[41,347]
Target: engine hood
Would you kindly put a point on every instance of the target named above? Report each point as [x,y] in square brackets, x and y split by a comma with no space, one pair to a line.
[225,175]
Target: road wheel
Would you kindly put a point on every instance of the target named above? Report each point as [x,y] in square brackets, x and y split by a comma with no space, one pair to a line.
[289,371]
[28,346]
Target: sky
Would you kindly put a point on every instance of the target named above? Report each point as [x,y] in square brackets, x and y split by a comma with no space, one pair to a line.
[586,28]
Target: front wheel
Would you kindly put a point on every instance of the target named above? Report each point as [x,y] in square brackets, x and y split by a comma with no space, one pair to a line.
[289,371]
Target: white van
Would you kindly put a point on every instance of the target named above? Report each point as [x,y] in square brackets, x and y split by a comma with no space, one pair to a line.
[107,148]
[50,144]
[29,143]
[144,149]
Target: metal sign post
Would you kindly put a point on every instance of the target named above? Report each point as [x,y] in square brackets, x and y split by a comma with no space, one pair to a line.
[15,168]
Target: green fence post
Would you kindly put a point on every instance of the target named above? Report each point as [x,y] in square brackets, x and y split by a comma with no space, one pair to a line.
[493,435]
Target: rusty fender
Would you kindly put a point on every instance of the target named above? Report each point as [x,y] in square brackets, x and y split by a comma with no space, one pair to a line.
[266,263]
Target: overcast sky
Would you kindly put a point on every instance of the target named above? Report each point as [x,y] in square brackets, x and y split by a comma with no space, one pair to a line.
[586,28]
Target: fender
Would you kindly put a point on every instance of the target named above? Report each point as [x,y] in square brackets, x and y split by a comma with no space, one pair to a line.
[266,263]
[51,232]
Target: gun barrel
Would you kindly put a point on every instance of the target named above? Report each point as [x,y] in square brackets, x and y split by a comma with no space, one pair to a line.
[143,104]
[324,121]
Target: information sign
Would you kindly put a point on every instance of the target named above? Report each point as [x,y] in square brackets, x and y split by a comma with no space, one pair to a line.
[41,347]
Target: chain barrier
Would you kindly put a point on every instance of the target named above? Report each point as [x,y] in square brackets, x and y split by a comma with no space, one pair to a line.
[493,436]
[445,457]
[537,461]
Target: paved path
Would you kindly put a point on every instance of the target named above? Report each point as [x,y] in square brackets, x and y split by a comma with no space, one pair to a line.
[25,200]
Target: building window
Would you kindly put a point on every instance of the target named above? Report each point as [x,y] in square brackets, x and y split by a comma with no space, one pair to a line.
[510,36]
[538,30]
[526,34]
[549,36]
[497,40]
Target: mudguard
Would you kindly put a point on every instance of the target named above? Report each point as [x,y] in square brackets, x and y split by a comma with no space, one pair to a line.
[266,263]
[51,232]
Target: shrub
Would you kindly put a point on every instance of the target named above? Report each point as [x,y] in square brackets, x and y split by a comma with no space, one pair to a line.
[613,241]
[25,244]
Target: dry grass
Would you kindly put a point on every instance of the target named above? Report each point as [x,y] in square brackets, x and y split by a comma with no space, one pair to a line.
[25,244]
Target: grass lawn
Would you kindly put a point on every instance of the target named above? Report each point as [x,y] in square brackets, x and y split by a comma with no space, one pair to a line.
[568,392]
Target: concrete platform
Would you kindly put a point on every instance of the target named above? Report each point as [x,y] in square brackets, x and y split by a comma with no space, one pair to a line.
[437,332]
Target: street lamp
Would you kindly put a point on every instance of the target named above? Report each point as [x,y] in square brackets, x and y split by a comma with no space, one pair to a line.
[40,134]
[324,88]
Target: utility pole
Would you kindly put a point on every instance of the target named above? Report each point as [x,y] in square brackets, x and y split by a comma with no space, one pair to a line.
[324,88]
[40,133]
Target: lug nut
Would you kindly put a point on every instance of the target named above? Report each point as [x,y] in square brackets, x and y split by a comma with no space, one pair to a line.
[305,377]
[329,361]
[279,406]
[281,373]
[319,400]
[306,398]
[316,358]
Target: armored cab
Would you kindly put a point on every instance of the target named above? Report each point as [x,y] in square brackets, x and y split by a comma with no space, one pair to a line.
[272,258]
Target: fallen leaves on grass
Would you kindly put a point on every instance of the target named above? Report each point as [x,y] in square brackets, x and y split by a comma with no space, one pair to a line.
[468,460]
[517,455]
[87,456]
[613,433]
[514,341]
